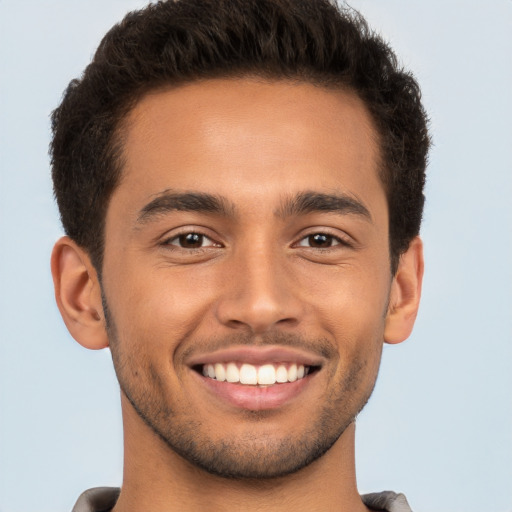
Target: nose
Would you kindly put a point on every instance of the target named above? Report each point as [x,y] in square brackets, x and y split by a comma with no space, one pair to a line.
[259,294]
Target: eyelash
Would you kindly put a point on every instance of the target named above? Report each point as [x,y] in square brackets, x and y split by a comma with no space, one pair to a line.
[177,237]
[335,241]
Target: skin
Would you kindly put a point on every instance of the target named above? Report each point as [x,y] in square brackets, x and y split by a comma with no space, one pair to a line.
[257,280]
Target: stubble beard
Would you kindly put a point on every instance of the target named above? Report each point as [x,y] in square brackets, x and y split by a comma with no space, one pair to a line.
[249,456]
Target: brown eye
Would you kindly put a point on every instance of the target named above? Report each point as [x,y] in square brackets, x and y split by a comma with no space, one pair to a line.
[319,241]
[191,241]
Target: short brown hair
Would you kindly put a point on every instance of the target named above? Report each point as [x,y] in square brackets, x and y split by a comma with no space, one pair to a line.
[175,42]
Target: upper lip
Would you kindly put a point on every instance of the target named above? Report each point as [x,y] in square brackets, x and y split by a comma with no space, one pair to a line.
[257,356]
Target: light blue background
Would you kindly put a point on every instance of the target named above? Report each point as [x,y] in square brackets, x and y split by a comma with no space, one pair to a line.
[439,426]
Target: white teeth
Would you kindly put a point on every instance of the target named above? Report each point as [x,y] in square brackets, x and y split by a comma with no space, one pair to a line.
[232,373]
[248,374]
[281,374]
[292,373]
[265,375]
[220,372]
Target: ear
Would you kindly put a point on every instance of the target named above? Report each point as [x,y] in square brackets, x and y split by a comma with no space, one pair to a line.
[405,294]
[78,294]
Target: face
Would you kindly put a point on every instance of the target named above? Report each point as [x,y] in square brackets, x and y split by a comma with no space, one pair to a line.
[246,271]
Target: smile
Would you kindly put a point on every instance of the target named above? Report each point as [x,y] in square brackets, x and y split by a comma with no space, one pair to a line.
[255,375]
[256,378]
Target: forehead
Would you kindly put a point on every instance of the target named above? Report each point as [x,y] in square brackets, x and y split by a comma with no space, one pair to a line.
[249,139]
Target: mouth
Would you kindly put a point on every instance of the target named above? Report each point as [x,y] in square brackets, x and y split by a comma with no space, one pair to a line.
[249,374]
[256,378]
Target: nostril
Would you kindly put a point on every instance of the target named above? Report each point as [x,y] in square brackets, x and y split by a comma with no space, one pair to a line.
[258,307]
[287,321]
[236,323]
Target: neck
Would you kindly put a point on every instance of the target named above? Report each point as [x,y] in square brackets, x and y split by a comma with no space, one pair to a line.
[157,479]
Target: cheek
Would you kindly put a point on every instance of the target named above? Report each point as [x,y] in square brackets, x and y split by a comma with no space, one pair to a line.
[159,307]
[352,310]
[350,300]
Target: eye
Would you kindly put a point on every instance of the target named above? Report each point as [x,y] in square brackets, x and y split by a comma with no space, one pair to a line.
[320,241]
[191,241]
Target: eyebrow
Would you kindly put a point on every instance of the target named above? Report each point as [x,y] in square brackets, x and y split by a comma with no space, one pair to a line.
[185,201]
[312,202]
[301,204]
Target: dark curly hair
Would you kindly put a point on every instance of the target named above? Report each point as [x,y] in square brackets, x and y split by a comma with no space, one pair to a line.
[180,41]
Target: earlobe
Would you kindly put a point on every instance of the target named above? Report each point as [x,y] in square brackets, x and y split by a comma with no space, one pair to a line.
[405,294]
[78,294]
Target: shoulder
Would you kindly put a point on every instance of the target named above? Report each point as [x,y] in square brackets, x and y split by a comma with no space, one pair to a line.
[98,499]
[387,501]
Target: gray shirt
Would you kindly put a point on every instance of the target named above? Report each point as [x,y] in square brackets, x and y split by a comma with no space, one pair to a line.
[103,499]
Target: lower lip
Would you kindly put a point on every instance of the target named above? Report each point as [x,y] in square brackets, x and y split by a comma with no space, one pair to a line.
[256,398]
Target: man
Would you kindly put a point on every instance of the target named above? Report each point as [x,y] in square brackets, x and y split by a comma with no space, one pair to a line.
[241,187]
